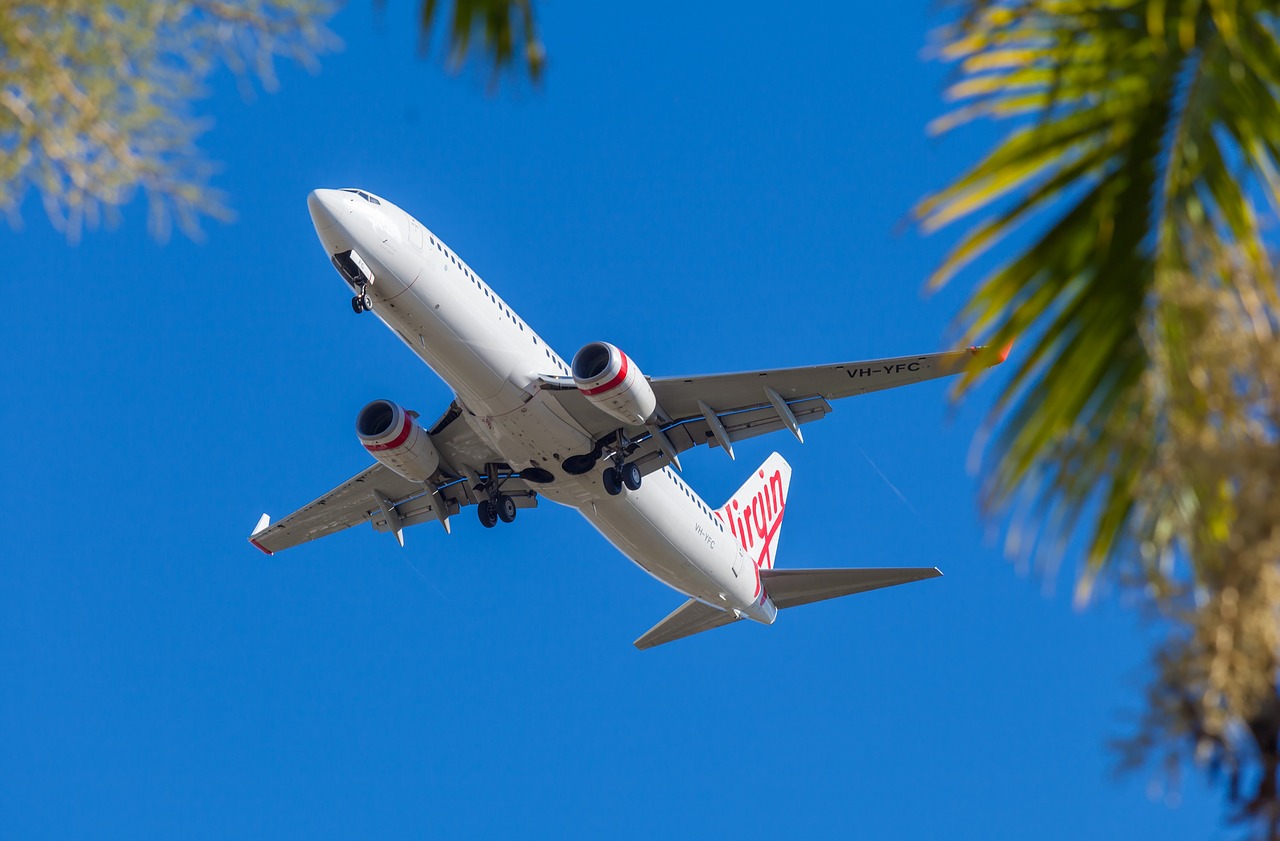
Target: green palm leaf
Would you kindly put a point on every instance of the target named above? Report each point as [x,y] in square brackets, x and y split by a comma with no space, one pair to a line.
[1142,123]
[503,31]
[1142,420]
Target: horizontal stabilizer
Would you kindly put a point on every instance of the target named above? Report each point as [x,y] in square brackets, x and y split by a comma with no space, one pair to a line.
[692,617]
[791,587]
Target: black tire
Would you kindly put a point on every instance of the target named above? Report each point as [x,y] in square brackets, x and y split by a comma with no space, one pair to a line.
[357,305]
[612,482]
[488,513]
[366,302]
[631,476]
[506,509]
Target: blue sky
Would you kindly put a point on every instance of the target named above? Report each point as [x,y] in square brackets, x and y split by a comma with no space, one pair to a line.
[711,189]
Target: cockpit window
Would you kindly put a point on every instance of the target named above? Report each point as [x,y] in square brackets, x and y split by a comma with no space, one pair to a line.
[362,194]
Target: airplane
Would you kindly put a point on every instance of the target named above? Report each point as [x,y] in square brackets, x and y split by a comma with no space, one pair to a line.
[593,433]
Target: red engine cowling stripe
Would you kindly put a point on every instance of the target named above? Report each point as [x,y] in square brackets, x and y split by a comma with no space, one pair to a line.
[613,383]
[397,441]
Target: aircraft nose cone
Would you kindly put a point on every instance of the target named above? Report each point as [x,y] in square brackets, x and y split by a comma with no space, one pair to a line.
[326,208]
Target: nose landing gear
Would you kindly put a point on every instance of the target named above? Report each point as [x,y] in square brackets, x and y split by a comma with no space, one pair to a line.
[356,272]
[362,301]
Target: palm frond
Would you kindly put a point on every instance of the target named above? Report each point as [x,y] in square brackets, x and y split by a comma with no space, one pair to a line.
[504,32]
[1140,125]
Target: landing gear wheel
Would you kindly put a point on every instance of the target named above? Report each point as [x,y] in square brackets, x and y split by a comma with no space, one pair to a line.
[488,513]
[612,482]
[366,302]
[506,508]
[631,476]
[357,304]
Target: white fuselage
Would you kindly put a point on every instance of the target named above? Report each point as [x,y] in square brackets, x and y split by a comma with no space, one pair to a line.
[494,362]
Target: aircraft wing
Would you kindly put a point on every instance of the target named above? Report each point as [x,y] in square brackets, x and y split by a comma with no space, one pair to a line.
[380,496]
[720,409]
[679,396]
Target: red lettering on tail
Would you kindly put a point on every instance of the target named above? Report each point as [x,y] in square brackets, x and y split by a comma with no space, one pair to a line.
[759,518]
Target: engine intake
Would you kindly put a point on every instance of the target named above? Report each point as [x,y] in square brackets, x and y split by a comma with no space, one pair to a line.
[394,437]
[613,383]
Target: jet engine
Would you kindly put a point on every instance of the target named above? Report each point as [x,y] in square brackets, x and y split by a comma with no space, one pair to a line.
[396,439]
[612,382]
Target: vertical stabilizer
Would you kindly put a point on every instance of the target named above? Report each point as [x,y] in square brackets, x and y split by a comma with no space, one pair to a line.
[754,513]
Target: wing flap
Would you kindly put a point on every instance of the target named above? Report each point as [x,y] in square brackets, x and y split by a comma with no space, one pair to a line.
[793,587]
[738,425]
[692,617]
[427,507]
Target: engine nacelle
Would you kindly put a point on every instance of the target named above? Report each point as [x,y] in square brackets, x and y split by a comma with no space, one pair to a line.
[396,439]
[613,383]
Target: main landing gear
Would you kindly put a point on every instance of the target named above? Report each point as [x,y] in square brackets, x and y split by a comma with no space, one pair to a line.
[621,474]
[497,508]
[362,301]
[497,505]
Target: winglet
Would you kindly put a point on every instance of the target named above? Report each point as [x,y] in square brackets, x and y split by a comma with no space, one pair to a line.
[1001,356]
[263,522]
